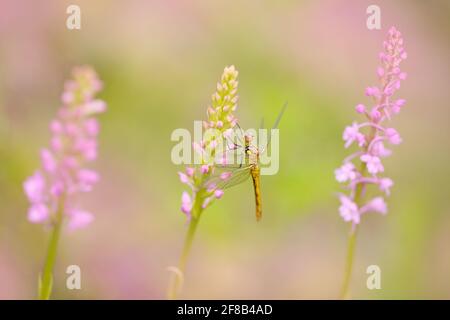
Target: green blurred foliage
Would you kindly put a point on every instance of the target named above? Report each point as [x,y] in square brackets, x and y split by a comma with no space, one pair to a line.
[159,62]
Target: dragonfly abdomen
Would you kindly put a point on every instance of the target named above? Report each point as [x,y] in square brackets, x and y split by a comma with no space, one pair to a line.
[255,172]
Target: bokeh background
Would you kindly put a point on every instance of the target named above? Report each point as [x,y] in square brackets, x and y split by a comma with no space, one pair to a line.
[160,61]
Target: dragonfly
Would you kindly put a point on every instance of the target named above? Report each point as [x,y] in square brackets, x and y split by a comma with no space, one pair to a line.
[228,175]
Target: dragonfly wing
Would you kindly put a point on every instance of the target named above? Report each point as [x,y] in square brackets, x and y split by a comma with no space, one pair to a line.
[237,178]
[230,157]
[227,176]
[275,125]
[238,135]
[277,122]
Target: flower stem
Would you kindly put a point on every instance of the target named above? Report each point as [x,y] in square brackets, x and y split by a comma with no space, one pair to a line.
[345,293]
[177,280]
[46,280]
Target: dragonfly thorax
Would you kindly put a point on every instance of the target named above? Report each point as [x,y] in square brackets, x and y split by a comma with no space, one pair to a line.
[251,152]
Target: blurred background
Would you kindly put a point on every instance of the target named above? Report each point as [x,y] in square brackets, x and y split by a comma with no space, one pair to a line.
[160,61]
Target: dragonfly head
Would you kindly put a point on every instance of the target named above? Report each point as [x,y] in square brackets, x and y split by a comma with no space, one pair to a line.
[249,149]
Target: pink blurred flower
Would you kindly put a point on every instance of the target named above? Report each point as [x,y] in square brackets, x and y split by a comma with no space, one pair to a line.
[73,145]
[346,172]
[38,213]
[373,163]
[351,133]
[183,177]
[385,185]
[186,203]
[204,169]
[360,108]
[48,160]
[372,142]
[372,92]
[190,171]
[377,204]
[218,193]
[379,150]
[203,179]
[87,179]
[393,136]
[79,219]
[35,188]
[349,210]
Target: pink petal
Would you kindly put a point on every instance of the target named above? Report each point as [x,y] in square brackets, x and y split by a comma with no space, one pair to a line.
[183,177]
[360,108]
[92,126]
[34,187]
[79,219]
[48,160]
[190,171]
[186,203]
[218,193]
[88,176]
[93,107]
[204,169]
[38,213]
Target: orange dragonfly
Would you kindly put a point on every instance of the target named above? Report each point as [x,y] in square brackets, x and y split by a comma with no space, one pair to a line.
[248,166]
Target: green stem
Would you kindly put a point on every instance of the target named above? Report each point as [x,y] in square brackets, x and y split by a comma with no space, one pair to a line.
[177,280]
[46,280]
[345,293]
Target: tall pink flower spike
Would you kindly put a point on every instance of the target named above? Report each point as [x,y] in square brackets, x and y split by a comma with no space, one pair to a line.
[221,117]
[370,137]
[64,174]
[371,143]
[202,191]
